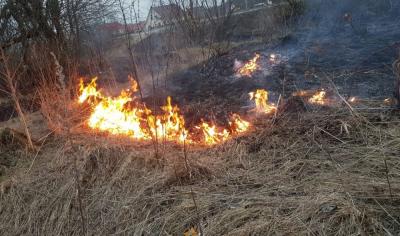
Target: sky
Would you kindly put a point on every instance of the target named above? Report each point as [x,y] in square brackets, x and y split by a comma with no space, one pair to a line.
[142,5]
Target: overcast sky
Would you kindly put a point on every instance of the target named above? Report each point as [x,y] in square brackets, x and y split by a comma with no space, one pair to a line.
[142,5]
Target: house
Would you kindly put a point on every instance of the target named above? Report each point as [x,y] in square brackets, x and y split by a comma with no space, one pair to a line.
[163,15]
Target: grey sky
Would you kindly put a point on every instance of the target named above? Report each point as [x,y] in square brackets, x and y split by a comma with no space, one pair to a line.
[142,5]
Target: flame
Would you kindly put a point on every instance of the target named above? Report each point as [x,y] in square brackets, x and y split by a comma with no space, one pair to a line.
[170,125]
[124,115]
[88,91]
[387,100]
[134,84]
[250,66]
[352,99]
[238,125]
[300,93]
[115,116]
[212,135]
[318,98]
[260,96]
[272,58]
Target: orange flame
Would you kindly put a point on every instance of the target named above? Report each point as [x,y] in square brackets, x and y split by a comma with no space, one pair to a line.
[352,99]
[300,93]
[260,96]
[238,125]
[88,91]
[134,84]
[123,115]
[212,135]
[170,125]
[250,66]
[318,98]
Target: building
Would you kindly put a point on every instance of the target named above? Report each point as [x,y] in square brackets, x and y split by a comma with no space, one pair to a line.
[160,16]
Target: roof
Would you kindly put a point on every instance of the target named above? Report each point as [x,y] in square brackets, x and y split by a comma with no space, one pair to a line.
[135,27]
[168,12]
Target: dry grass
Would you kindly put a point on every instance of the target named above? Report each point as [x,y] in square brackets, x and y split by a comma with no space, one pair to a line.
[307,174]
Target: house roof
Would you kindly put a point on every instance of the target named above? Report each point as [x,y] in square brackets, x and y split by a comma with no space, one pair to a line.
[135,27]
[168,12]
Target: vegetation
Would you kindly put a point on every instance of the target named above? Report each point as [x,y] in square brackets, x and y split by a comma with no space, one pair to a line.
[264,134]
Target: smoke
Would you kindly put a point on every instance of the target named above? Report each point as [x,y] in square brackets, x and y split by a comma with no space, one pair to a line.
[357,17]
[356,36]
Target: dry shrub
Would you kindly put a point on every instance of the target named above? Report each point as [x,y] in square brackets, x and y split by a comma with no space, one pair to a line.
[62,114]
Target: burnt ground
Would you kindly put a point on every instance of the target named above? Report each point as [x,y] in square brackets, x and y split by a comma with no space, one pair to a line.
[356,55]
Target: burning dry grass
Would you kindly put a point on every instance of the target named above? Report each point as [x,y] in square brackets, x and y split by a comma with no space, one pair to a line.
[303,174]
[126,115]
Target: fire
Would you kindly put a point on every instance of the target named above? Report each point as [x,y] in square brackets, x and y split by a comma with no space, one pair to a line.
[387,101]
[272,58]
[170,125]
[300,93]
[250,66]
[115,116]
[352,99]
[238,125]
[213,135]
[318,98]
[124,115]
[260,96]
[88,91]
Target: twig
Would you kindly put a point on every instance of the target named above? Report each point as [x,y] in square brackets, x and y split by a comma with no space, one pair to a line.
[387,179]
[333,136]
[129,45]
[79,196]
[191,189]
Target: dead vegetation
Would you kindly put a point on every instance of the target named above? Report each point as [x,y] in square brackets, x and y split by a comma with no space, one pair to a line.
[324,173]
